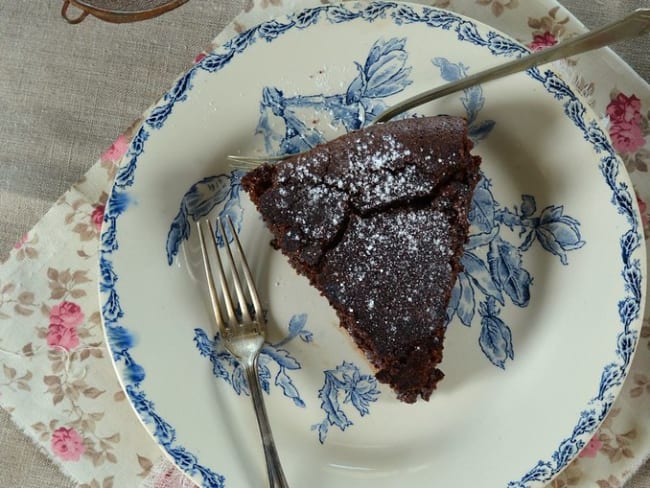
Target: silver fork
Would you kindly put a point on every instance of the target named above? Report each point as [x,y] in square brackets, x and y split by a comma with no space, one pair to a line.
[242,330]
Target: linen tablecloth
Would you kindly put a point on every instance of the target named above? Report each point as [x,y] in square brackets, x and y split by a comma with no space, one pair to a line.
[70,95]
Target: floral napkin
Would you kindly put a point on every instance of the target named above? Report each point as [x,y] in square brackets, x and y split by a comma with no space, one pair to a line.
[57,380]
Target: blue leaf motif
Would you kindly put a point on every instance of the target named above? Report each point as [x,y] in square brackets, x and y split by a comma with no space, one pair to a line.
[184,459]
[541,471]
[377,10]
[308,17]
[528,206]
[283,380]
[297,323]
[405,15]
[557,87]
[628,309]
[179,231]
[477,270]
[625,344]
[558,233]
[495,339]
[630,241]
[280,356]
[165,433]
[568,449]
[357,88]
[198,201]
[328,395]
[182,86]
[454,300]
[482,210]
[215,61]
[444,20]
[124,177]
[448,70]
[506,269]
[264,375]
[204,195]
[468,31]
[111,309]
[239,383]
[338,14]
[612,376]
[238,43]
[203,343]
[500,45]
[133,371]
[588,422]
[120,338]
[466,302]
[633,276]
[479,131]
[108,276]
[109,233]
[272,29]
[475,241]
[159,115]
[387,75]
[117,203]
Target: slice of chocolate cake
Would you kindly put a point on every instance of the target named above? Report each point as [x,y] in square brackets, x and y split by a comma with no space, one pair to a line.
[377,220]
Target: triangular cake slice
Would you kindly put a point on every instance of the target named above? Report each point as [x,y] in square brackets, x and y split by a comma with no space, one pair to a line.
[377,220]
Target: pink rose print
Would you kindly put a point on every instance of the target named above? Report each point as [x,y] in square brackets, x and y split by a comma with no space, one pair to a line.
[67,314]
[67,444]
[592,447]
[199,57]
[21,242]
[540,41]
[624,109]
[61,336]
[98,216]
[64,318]
[117,149]
[625,123]
[626,137]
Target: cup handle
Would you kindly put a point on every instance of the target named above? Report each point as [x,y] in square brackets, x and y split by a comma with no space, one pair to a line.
[75,20]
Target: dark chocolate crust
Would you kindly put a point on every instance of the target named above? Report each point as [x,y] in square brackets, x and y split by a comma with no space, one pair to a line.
[377,220]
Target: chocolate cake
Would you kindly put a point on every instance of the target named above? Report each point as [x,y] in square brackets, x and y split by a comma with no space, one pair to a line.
[377,220]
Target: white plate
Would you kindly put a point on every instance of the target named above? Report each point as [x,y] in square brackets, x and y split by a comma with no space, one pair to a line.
[548,310]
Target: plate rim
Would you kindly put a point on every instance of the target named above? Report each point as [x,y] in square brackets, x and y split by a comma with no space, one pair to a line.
[612,168]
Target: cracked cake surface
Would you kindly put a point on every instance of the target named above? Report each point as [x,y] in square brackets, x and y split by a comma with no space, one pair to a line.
[377,220]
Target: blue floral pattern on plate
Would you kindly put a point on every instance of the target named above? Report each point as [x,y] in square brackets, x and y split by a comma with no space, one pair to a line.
[555,231]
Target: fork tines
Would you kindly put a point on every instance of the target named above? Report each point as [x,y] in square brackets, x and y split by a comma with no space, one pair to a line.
[244,306]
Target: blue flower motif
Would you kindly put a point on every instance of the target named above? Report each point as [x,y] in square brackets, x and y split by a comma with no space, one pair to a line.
[493,266]
[495,339]
[357,389]
[199,201]
[383,73]
[226,366]
[558,233]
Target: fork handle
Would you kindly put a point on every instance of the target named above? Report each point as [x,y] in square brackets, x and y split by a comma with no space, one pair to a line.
[635,24]
[273,466]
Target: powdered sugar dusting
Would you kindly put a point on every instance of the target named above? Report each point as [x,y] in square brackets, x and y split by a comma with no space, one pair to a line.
[399,255]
